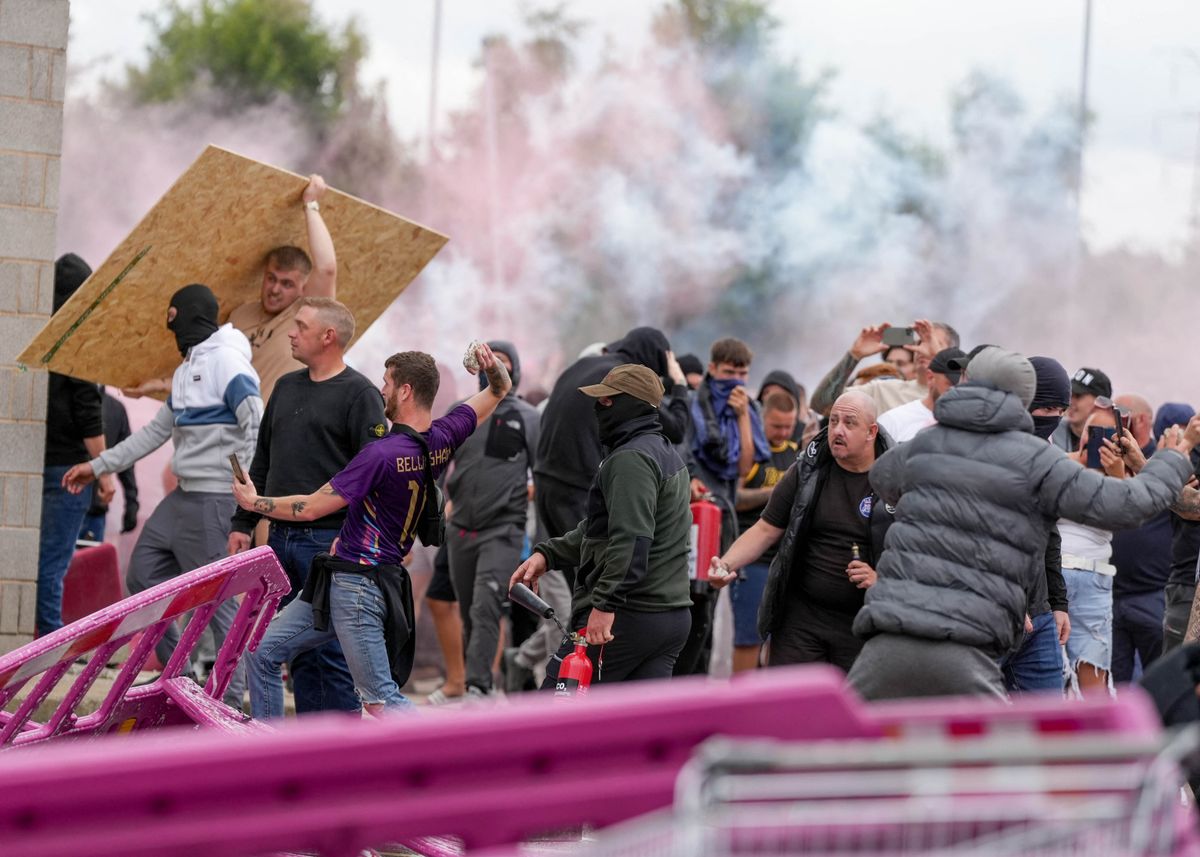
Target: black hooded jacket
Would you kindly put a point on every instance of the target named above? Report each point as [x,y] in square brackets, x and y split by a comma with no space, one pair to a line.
[73,407]
[569,449]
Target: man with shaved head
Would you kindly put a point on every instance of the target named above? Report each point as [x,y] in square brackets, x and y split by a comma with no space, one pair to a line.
[829,525]
[1142,558]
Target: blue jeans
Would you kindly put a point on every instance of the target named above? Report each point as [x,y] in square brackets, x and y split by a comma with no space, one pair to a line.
[1038,664]
[62,515]
[358,614]
[92,528]
[321,679]
[745,594]
[1090,596]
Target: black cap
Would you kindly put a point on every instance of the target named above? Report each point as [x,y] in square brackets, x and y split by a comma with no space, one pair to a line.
[958,364]
[691,365]
[942,360]
[1091,382]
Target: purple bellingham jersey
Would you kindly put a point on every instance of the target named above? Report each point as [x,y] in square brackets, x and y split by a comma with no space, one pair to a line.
[384,486]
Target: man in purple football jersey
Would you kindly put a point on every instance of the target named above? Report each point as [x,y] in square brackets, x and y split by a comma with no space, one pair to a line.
[358,593]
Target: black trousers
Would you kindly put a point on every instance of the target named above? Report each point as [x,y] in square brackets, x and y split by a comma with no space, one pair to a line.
[810,634]
[644,646]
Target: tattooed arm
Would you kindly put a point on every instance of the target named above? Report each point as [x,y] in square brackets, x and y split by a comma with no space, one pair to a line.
[485,401]
[1187,504]
[297,507]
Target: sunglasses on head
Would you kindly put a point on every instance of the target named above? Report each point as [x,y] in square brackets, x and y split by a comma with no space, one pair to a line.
[1108,404]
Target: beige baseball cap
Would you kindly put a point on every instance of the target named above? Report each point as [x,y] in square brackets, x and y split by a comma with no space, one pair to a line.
[632,378]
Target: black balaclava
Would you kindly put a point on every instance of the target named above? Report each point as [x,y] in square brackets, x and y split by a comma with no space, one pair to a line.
[614,418]
[195,319]
[1053,391]
[69,274]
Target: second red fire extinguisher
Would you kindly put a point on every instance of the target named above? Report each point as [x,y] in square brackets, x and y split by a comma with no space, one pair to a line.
[705,542]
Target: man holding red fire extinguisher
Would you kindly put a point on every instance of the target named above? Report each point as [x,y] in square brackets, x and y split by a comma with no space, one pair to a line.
[632,594]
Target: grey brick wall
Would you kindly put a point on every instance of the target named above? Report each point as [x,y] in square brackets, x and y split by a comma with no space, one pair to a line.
[33,44]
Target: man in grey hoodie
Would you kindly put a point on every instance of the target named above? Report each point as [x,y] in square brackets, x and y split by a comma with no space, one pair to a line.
[974,496]
[488,490]
[214,410]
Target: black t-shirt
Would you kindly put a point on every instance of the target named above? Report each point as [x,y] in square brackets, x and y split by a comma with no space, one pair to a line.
[841,518]
[767,475]
[309,432]
[1185,550]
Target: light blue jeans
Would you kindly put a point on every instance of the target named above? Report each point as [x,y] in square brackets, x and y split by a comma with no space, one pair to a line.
[358,613]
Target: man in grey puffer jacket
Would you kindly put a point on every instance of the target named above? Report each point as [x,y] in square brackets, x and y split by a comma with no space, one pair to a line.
[974,497]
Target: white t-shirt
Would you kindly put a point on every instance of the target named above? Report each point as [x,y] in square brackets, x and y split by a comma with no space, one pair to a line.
[903,422]
[1084,541]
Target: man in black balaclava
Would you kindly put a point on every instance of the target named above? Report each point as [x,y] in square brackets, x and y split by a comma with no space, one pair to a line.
[631,595]
[214,408]
[74,433]
[569,449]
[1036,665]
[488,492]
[192,316]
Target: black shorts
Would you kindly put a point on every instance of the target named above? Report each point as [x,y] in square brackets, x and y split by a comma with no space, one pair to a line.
[441,588]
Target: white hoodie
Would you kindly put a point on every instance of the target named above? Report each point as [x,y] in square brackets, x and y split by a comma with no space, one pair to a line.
[213,412]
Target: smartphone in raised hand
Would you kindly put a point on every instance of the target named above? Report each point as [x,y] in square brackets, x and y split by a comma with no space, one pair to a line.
[1095,439]
[238,473]
[894,336]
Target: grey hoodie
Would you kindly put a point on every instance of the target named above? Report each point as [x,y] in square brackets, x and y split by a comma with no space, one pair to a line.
[975,496]
[213,412]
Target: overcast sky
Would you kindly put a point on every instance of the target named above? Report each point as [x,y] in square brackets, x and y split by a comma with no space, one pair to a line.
[902,56]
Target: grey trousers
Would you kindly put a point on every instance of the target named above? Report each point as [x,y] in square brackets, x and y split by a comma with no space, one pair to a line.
[186,531]
[481,563]
[891,666]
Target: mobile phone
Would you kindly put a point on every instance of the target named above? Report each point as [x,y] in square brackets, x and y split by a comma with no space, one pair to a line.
[1095,440]
[894,336]
[238,473]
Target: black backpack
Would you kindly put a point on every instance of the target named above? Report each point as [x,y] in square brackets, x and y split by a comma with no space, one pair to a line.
[431,524]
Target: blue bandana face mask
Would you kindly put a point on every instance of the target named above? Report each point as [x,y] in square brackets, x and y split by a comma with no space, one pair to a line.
[724,386]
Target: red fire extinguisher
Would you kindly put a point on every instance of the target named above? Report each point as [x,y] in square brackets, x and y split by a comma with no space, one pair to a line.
[705,542]
[575,672]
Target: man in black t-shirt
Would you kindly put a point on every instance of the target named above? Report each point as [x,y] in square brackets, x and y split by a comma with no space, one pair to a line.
[830,527]
[316,421]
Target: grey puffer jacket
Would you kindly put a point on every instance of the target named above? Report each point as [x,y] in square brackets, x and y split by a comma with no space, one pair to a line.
[974,498]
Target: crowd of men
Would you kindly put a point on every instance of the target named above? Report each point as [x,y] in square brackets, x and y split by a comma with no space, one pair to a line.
[938,522]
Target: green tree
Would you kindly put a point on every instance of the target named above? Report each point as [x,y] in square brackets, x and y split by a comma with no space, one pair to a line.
[250,51]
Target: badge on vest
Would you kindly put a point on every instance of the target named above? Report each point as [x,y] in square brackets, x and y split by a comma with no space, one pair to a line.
[864,508]
[811,452]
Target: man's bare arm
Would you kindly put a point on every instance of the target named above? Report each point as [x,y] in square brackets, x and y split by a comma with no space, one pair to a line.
[752,498]
[296,507]
[868,342]
[499,383]
[322,282]
[1187,504]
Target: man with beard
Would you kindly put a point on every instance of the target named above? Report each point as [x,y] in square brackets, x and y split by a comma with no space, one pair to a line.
[631,593]
[214,407]
[830,527]
[359,592]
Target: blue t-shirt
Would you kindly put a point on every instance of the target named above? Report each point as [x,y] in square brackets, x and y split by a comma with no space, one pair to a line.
[384,486]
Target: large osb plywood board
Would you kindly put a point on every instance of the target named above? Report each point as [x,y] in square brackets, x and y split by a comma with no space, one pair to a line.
[214,226]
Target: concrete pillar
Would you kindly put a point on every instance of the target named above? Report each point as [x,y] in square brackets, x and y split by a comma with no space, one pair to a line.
[33,54]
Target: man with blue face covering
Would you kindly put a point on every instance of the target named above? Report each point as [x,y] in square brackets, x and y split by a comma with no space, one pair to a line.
[725,441]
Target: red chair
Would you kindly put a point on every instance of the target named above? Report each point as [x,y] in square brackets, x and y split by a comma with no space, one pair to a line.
[93,582]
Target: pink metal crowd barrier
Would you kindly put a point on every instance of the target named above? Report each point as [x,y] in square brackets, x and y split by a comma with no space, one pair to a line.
[171,699]
[491,776]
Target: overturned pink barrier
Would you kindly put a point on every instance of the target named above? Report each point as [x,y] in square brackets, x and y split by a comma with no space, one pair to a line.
[172,699]
[492,776]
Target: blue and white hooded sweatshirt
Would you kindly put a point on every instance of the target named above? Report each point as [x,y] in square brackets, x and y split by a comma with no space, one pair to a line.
[213,412]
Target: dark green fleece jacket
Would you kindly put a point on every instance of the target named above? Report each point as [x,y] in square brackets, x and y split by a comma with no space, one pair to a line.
[632,548]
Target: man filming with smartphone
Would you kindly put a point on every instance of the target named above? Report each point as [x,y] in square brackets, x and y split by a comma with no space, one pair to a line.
[924,339]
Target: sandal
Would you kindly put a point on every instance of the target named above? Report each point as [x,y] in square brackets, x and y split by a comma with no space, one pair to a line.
[439,697]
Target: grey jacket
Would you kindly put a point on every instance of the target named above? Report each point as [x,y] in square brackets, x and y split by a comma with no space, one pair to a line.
[814,464]
[975,497]
[488,484]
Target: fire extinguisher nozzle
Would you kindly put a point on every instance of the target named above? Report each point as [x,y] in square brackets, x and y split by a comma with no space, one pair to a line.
[527,598]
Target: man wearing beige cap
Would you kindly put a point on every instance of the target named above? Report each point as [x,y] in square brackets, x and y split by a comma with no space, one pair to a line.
[632,592]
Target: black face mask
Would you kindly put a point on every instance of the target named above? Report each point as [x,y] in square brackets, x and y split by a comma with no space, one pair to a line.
[195,319]
[615,417]
[1043,427]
